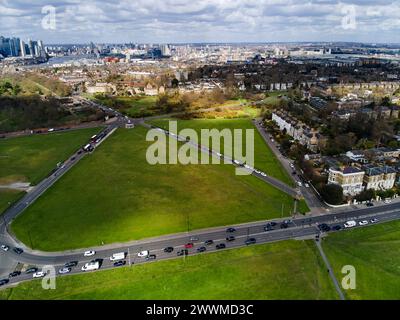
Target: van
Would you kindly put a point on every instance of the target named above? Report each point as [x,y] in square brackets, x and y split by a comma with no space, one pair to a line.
[118,256]
[91,266]
[350,224]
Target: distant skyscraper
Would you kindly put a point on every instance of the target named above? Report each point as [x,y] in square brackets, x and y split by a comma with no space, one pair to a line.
[23,49]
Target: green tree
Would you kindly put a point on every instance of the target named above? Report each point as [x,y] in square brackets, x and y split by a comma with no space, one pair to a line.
[332,194]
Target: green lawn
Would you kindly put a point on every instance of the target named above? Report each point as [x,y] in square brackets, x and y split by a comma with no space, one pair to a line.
[284,270]
[374,252]
[114,195]
[7,197]
[31,158]
[136,107]
[264,158]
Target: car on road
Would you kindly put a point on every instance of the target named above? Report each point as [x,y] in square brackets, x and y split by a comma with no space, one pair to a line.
[230,230]
[293,173]
[143,253]
[119,263]
[374,220]
[363,223]
[71,264]
[64,270]
[182,252]
[89,253]
[299,184]
[194,238]
[220,246]
[388,201]
[209,242]
[18,250]
[14,274]
[4,247]
[324,227]
[306,185]
[118,256]
[284,225]
[151,257]
[369,204]
[230,238]
[31,270]
[4,282]
[263,174]
[168,249]
[201,249]
[250,241]
[350,224]
[91,266]
[337,228]
[292,165]
[189,245]
[39,274]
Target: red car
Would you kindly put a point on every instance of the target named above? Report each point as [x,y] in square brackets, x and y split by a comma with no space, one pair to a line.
[189,245]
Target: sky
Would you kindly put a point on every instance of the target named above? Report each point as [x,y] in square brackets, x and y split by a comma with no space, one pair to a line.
[182,21]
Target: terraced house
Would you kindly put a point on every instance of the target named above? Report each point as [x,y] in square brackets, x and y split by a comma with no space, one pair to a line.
[379,178]
[349,178]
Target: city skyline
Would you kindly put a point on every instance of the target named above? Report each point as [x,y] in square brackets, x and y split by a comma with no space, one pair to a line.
[180,21]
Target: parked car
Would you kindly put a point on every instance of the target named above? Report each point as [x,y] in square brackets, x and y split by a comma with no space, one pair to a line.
[250,241]
[151,257]
[4,247]
[350,224]
[201,249]
[209,242]
[64,270]
[189,245]
[370,204]
[230,238]
[363,223]
[337,228]
[324,227]
[230,230]
[168,249]
[220,246]
[374,220]
[89,253]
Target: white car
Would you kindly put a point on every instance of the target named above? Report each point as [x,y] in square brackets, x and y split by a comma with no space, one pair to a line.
[306,185]
[291,165]
[363,223]
[89,253]
[388,201]
[263,174]
[374,220]
[219,154]
[257,171]
[39,274]
[350,224]
[144,253]
[236,162]
[299,183]
[4,247]
[64,270]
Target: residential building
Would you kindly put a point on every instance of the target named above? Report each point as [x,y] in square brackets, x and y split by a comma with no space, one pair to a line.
[379,177]
[349,178]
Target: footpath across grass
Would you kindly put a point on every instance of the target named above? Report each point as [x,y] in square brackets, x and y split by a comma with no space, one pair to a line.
[264,158]
[284,270]
[115,195]
[31,158]
[374,253]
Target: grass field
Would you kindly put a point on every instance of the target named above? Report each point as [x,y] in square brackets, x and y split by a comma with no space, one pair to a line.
[132,106]
[31,158]
[115,195]
[374,252]
[265,160]
[284,270]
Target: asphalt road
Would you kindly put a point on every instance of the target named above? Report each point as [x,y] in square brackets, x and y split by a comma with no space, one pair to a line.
[298,228]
